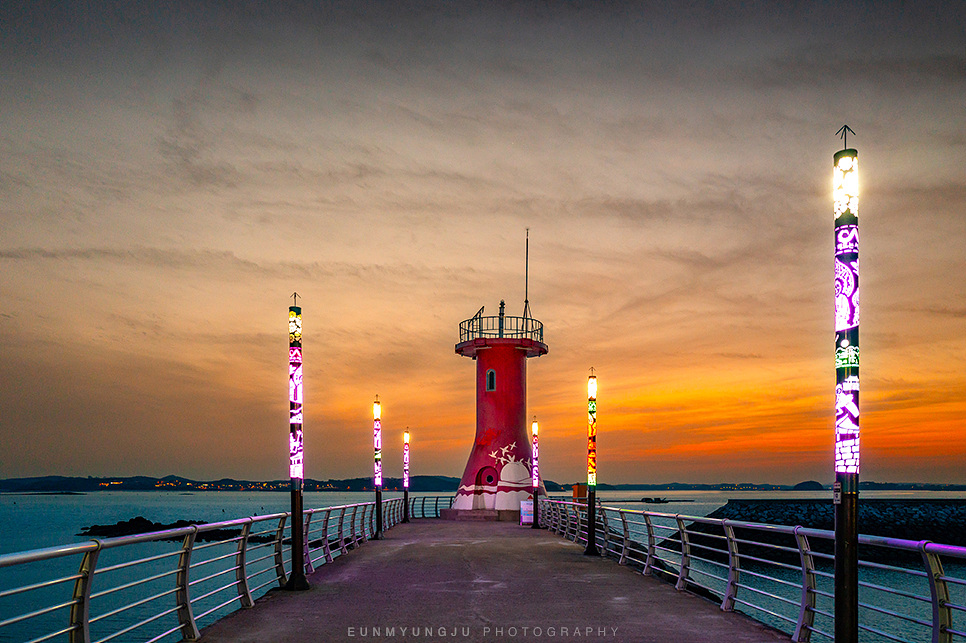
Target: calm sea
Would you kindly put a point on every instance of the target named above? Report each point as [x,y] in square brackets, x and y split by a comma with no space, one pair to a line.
[32,521]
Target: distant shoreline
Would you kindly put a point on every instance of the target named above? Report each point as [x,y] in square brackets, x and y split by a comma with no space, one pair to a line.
[438,484]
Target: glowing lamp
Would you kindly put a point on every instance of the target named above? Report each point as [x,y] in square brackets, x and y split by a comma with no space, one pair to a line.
[845,492]
[592,430]
[406,459]
[845,187]
[535,471]
[591,549]
[295,446]
[296,580]
[377,441]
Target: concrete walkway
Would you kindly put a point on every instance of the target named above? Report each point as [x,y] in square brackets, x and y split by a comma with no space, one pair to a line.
[460,582]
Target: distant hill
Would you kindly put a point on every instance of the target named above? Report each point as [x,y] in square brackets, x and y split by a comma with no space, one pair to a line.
[63,484]
[808,485]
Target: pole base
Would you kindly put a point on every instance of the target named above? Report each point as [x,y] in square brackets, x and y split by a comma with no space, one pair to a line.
[591,550]
[296,583]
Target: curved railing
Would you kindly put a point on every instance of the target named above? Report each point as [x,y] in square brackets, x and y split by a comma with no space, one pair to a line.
[159,585]
[502,326]
[782,575]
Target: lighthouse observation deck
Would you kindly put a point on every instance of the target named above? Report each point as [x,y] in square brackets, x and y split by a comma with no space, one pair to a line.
[501,327]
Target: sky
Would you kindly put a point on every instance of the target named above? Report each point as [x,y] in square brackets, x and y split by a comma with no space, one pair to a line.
[170,173]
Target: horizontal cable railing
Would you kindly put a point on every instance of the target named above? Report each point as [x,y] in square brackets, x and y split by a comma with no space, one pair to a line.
[782,575]
[160,585]
[503,326]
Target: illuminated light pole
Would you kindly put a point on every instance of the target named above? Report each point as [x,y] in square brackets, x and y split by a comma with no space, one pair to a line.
[591,549]
[535,472]
[377,475]
[845,187]
[296,580]
[406,475]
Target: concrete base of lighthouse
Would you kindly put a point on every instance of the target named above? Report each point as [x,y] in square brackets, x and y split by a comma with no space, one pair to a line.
[501,515]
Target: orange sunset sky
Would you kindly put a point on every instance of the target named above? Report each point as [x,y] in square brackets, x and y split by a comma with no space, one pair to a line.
[171,173]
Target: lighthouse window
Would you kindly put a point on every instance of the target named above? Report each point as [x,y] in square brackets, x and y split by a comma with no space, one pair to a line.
[491,380]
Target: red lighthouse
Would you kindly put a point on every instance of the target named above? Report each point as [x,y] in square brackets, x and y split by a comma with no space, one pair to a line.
[497,474]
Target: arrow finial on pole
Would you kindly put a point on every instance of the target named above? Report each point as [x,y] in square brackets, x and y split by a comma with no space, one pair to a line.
[295,298]
[844,135]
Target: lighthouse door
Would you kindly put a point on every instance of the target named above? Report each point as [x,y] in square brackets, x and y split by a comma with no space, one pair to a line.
[484,496]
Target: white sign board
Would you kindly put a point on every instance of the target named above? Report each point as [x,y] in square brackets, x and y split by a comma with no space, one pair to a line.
[526,512]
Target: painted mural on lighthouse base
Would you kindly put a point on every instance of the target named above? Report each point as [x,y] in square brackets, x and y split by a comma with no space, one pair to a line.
[501,480]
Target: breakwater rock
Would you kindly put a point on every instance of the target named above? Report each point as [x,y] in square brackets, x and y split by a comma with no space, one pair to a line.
[942,520]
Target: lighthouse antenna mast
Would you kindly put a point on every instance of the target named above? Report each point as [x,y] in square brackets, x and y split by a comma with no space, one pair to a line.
[526,282]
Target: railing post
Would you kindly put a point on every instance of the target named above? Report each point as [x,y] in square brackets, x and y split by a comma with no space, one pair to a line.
[186,617]
[731,588]
[651,546]
[579,521]
[362,521]
[308,567]
[627,539]
[606,534]
[423,506]
[326,547]
[342,539]
[279,559]
[80,613]
[806,611]
[241,571]
[352,526]
[942,616]
[682,583]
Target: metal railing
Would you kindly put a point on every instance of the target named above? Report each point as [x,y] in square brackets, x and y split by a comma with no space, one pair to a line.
[783,575]
[159,585]
[502,326]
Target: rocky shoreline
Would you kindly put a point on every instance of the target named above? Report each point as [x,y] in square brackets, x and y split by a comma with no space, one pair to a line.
[940,520]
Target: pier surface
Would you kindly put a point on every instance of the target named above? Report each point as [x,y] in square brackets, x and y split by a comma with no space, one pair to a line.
[447,581]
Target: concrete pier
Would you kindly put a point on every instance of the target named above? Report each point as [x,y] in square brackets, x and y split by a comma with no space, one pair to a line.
[482,582]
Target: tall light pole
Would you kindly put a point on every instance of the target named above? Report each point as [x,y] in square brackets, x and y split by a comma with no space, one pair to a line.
[406,475]
[377,470]
[296,580]
[535,474]
[591,549]
[845,187]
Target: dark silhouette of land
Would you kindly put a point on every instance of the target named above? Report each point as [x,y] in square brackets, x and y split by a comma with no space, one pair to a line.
[443,484]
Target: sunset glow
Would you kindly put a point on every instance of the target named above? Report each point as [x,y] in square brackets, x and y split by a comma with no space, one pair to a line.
[171,173]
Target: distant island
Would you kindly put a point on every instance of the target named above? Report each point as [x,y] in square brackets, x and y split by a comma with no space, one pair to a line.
[445,484]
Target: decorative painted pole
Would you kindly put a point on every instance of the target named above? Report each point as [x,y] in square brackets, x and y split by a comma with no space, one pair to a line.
[591,549]
[377,477]
[845,186]
[296,473]
[535,474]
[406,475]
